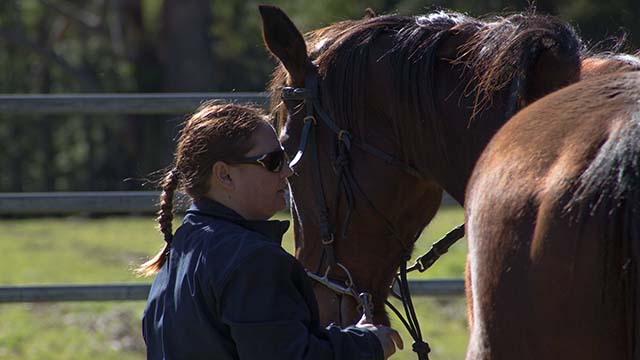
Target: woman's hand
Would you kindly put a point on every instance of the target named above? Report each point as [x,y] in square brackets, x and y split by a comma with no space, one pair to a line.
[389,338]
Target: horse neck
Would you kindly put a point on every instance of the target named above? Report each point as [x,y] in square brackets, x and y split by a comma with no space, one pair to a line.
[452,140]
[463,143]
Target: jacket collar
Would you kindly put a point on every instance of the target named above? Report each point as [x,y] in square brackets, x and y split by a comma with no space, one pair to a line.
[272,229]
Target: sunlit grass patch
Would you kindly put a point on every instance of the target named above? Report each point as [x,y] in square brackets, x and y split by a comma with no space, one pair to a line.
[105,250]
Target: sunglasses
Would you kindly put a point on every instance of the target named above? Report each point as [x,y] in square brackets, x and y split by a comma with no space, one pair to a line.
[272,161]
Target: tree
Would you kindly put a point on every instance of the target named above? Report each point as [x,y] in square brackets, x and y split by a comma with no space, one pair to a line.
[72,46]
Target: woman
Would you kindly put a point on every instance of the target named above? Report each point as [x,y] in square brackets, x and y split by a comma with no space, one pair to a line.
[224,287]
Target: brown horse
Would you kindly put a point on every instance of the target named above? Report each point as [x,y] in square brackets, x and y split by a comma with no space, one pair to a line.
[553,225]
[427,93]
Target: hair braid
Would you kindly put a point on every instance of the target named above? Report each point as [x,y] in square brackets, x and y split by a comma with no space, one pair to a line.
[165,214]
[169,184]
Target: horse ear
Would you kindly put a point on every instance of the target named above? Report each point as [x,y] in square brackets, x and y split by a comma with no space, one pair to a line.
[284,41]
[556,66]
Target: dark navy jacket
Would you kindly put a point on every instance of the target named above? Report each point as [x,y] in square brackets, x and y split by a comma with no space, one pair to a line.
[229,291]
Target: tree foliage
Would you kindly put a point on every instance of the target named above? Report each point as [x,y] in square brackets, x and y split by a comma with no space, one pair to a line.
[80,46]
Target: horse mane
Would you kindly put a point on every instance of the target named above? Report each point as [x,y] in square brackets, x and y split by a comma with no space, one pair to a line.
[506,47]
[496,52]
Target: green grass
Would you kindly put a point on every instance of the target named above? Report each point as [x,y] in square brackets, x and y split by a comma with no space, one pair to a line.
[80,250]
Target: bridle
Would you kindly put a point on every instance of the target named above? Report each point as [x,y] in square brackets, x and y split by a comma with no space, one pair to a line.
[346,185]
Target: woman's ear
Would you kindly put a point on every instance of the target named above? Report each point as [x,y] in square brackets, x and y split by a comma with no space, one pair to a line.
[221,176]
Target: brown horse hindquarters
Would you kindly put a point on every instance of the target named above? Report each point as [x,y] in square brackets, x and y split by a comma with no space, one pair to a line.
[552,218]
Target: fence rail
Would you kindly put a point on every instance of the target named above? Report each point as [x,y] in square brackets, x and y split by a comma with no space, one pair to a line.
[95,202]
[165,103]
[68,292]
[92,202]
[129,292]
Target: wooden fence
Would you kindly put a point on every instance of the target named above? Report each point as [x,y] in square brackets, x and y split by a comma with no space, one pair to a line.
[121,202]
[155,104]
[116,292]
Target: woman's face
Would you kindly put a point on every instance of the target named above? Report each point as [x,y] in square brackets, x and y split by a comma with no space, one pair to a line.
[260,193]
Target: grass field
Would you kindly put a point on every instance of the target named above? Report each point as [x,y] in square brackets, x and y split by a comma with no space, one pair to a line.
[81,250]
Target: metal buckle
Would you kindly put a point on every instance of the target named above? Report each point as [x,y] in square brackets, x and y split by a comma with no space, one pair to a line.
[342,134]
[344,137]
[310,118]
[328,240]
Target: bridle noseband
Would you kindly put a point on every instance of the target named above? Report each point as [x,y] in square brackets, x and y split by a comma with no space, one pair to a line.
[346,183]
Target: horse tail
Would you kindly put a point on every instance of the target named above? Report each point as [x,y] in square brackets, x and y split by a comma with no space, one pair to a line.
[612,182]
